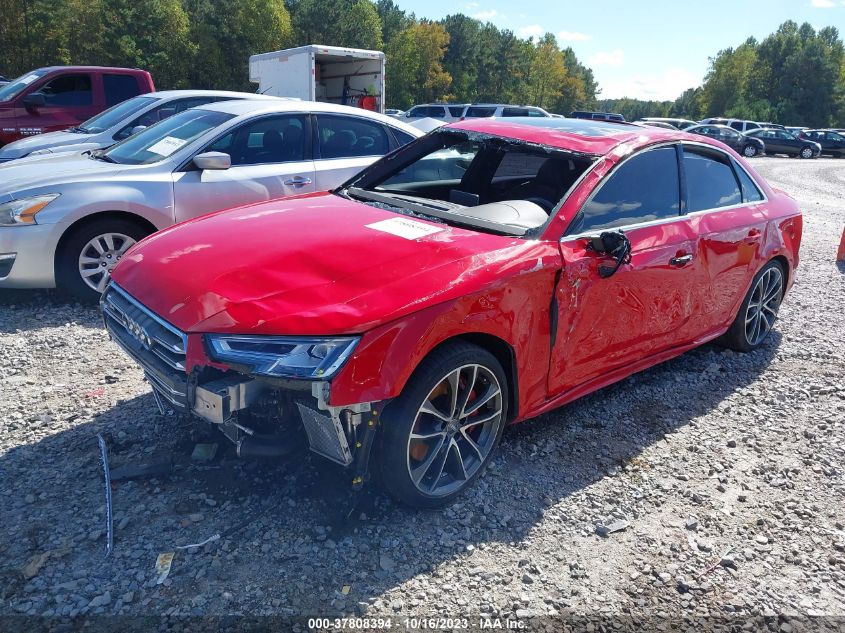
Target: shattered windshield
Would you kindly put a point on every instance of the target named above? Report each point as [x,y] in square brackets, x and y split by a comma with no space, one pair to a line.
[481,181]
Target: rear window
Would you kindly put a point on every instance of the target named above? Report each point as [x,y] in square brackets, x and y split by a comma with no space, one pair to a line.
[750,192]
[479,112]
[119,88]
[710,180]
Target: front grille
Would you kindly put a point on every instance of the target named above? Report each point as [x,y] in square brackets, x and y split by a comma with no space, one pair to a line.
[152,342]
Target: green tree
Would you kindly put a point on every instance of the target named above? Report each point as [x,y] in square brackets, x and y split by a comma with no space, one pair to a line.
[415,65]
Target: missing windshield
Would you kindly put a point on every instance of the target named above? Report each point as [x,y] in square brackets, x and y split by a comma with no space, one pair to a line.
[481,181]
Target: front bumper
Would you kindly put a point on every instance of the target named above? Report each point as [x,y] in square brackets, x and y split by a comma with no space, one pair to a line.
[32,250]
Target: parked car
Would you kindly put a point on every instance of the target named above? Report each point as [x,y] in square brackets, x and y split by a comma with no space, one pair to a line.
[661,124]
[773,126]
[831,142]
[482,300]
[447,112]
[394,112]
[119,122]
[714,120]
[597,116]
[782,142]
[795,130]
[66,219]
[681,124]
[748,146]
[487,110]
[59,97]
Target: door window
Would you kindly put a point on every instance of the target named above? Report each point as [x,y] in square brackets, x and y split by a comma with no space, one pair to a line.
[710,180]
[750,192]
[456,110]
[119,88]
[68,90]
[737,125]
[278,139]
[644,188]
[349,136]
[514,111]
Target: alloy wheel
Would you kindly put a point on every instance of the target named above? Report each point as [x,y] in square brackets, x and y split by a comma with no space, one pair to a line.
[99,257]
[750,151]
[454,430]
[763,306]
[806,153]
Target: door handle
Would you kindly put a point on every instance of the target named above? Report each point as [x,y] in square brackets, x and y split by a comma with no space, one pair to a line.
[753,237]
[681,260]
[298,181]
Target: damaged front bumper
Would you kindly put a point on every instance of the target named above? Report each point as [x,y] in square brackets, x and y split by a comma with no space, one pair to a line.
[263,416]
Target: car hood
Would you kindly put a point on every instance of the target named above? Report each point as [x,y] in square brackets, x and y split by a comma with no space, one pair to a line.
[47,170]
[18,149]
[310,265]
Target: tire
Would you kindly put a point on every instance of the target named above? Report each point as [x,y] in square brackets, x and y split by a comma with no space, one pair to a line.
[750,151]
[755,318]
[113,236]
[806,152]
[434,469]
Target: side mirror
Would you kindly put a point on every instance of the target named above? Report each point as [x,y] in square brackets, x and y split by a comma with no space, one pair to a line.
[613,244]
[212,160]
[34,100]
[137,129]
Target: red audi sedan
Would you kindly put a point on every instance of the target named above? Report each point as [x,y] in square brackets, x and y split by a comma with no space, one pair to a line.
[480,276]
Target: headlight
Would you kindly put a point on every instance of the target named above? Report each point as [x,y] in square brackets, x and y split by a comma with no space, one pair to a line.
[284,356]
[23,211]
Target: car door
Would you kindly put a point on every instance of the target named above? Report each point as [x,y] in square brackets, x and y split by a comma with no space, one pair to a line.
[271,158]
[649,304]
[344,145]
[731,138]
[726,207]
[69,99]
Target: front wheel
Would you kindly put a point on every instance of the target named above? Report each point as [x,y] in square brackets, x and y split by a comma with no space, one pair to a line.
[806,152]
[749,151]
[758,311]
[85,262]
[441,432]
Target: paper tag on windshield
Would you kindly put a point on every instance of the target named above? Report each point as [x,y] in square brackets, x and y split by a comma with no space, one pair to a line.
[403,227]
[166,146]
[28,79]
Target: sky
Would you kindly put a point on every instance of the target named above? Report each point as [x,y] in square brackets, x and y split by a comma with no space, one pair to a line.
[646,49]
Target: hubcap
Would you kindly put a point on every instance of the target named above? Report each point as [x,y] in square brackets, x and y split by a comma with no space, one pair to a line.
[99,257]
[455,429]
[763,307]
[750,151]
[806,153]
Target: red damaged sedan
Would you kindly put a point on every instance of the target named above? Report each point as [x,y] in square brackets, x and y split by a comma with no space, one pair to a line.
[480,276]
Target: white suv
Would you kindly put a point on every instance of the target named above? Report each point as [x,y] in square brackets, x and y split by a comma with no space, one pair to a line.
[448,112]
[484,110]
[740,125]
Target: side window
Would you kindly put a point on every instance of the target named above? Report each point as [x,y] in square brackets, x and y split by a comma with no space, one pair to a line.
[750,192]
[731,134]
[645,187]
[437,112]
[349,136]
[514,112]
[456,110]
[752,126]
[417,112]
[68,90]
[533,112]
[710,180]
[737,125]
[278,139]
[119,88]
[403,138]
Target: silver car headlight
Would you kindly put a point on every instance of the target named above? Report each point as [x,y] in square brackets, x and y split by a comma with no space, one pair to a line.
[305,357]
[23,211]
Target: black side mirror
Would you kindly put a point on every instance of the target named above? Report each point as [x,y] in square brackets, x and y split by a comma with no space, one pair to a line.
[34,100]
[614,244]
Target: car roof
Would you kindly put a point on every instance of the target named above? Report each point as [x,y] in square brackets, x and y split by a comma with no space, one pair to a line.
[264,106]
[99,68]
[586,136]
[169,94]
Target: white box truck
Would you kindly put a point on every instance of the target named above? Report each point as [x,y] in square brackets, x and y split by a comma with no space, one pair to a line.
[346,76]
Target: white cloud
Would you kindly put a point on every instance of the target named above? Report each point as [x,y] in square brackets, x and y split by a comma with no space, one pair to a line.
[608,58]
[822,4]
[532,30]
[486,15]
[573,36]
[472,5]
[662,86]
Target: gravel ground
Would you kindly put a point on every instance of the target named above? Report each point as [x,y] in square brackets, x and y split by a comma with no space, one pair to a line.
[711,485]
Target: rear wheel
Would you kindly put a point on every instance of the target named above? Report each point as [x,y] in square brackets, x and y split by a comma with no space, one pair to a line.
[806,152]
[758,311]
[749,151]
[441,432]
[86,260]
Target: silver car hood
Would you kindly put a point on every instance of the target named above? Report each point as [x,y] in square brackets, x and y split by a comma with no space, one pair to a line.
[53,171]
[24,146]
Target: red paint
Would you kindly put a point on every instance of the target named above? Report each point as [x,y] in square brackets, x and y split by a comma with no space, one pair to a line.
[17,120]
[310,265]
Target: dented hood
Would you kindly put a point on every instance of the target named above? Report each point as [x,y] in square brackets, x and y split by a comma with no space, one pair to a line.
[317,264]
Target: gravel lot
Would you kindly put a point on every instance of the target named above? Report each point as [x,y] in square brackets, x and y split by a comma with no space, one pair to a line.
[724,473]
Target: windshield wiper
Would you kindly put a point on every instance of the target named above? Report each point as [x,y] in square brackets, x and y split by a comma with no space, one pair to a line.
[98,154]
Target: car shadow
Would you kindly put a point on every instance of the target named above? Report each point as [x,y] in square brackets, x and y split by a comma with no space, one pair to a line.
[27,310]
[291,531]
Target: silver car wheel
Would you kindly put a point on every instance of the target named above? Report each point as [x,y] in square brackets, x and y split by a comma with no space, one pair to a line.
[99,257]
[749,151]
[455,429]
[763,306]
[806,153]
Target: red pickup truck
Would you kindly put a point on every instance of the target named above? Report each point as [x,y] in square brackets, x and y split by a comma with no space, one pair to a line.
[59,97]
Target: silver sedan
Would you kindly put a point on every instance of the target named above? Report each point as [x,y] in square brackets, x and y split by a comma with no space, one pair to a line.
[118,122]
[67,219]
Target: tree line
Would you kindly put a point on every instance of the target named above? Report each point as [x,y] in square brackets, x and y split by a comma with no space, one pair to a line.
[795,76]
[207,43]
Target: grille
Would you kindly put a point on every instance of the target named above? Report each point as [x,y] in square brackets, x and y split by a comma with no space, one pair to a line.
[152,342]
[325,435]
